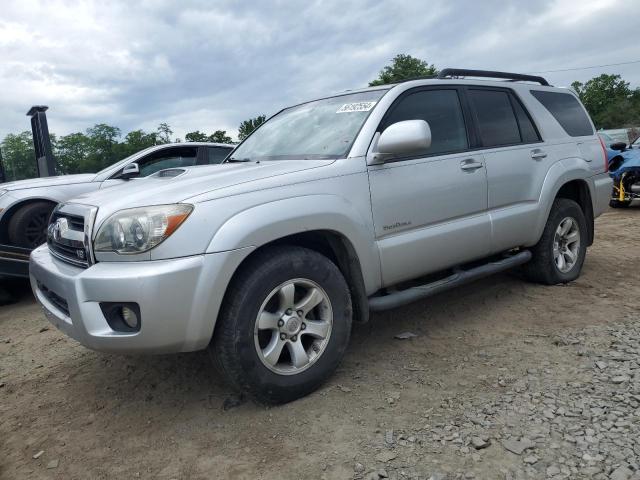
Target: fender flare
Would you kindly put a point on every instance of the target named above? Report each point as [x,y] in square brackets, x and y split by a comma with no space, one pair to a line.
[560,173]
[268,222]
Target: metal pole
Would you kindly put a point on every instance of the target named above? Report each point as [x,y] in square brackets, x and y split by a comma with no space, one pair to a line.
[45,163]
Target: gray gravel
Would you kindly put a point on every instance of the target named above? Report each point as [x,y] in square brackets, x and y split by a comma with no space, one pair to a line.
[538,427]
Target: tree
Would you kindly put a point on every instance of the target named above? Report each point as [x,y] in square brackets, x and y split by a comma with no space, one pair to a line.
[248,126]
[606,98]
[137,140]
[103,151]
[219,136]
[164,133]
[404,67]
[196,136]
[71,152]
[18,156]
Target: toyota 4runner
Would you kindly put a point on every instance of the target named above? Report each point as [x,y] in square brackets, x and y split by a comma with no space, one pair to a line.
[358,202]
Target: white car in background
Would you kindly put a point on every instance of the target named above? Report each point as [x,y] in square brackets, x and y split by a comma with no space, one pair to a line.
[25,205]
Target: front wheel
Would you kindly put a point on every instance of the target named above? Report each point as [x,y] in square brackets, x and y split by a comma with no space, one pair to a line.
[28,226]
[284,325]
[559,255]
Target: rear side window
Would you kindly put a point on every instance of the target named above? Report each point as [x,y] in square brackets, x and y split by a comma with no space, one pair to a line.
[566,109]
[217,154]
[442,111]
[528,131]
[496,119]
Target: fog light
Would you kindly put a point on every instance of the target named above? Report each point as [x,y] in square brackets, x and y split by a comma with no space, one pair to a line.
[122,316]
[130,317]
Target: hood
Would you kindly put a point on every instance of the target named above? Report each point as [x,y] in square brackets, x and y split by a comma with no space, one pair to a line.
[48,181]
[196,181]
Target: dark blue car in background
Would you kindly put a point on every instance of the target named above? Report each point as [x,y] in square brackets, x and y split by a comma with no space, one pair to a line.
[624,169]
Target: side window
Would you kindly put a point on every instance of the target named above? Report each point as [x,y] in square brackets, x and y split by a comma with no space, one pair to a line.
[217,154]
[169,158]
[496,119]
[442,111]
[566,109]
[527,129]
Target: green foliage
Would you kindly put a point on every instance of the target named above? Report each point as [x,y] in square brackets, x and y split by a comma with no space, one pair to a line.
[18,156]
[71,151]
[164,133]
[137,140]
[610,101]
[248,126]
[219,136]
[404,67]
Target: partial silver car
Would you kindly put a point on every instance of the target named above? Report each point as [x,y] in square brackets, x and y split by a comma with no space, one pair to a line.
[26,205]
[361,201]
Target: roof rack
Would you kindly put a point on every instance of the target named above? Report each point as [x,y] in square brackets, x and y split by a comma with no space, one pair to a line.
[514,77]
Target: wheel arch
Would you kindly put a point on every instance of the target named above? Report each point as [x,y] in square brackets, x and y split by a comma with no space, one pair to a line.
[338,249]
[578,191]
[569,178]
[11,211]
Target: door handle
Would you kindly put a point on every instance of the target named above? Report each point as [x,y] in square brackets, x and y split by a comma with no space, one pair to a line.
[538,154]
[470,165]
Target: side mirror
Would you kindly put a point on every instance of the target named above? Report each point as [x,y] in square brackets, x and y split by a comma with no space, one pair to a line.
[130,171]
[403,138]
[619,146]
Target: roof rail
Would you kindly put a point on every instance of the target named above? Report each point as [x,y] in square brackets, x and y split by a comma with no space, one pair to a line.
[514,77]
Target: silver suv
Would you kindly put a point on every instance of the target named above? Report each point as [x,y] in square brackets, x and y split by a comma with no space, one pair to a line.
[361,201]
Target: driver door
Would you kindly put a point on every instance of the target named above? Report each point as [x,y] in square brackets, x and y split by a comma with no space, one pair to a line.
[172,157]
[430,208]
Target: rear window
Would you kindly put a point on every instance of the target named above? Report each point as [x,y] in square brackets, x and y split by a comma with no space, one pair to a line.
[566,109]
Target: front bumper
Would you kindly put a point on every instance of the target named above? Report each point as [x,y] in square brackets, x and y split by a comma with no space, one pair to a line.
[179,299]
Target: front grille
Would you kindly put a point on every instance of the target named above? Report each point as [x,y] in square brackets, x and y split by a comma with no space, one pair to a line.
[54,298]
[66,239]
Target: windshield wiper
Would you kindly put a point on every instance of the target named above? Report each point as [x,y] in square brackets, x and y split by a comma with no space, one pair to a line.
[238,160]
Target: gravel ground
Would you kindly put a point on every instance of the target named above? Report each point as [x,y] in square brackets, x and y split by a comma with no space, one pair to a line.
[502,380]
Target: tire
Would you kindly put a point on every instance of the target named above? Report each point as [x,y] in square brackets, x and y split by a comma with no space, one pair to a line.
[543,267]
[263,284]
[28,226]
[619,204]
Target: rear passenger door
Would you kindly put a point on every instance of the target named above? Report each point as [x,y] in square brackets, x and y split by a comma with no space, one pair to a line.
[429,208]
[516,163]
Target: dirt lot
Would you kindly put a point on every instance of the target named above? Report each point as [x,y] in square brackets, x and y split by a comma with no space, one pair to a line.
[504,380]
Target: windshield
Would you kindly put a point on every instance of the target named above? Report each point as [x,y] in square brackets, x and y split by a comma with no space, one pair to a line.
[323,129]
[606,138]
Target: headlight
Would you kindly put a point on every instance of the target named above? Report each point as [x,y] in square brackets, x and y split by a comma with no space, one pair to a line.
[137,230]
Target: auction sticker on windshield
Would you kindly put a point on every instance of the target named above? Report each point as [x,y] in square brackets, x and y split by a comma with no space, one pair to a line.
[356,107]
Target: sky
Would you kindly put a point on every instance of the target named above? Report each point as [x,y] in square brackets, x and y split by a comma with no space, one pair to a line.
[208,65]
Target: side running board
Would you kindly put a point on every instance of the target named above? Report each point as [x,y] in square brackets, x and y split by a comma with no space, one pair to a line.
[410,295]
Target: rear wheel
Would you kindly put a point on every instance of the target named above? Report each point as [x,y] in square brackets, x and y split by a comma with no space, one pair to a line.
[28,226]
[559,255]
[285,324]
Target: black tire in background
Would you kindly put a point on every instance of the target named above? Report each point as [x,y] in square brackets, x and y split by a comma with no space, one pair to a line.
[28,225]
[234,344]
[619,204]
[543,268]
